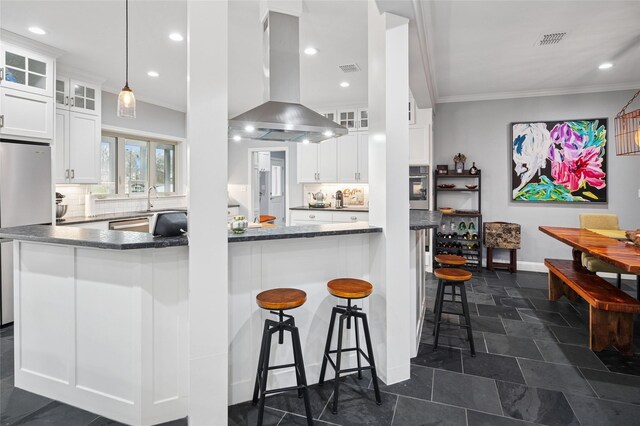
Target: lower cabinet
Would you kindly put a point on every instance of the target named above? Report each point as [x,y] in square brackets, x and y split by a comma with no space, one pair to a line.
[25,115]
[312,217]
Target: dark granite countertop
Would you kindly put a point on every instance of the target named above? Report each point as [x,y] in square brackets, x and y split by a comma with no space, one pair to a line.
[95,238]
[303,231]
[333,209]
[424,219]
[113,216]
[123,240]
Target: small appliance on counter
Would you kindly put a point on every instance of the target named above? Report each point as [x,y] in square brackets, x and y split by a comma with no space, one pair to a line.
[61,209]
[339,200]
[318,200]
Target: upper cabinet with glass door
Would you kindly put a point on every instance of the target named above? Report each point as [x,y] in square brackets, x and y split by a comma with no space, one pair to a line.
[25,70]
[78,96]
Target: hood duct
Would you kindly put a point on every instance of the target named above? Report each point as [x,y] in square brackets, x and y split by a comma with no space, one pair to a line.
[282,118]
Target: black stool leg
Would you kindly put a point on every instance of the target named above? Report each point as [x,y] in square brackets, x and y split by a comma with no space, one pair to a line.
[436,325]
[336,384]
[619,281]
[638,287]
[265,371]
[372,362]
[256,389]
[300,373]
[355,323]
[327,346]
[296,361]
[467,317]
[439,296]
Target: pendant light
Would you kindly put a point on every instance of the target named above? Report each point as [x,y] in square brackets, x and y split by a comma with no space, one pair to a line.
[126,99]
[628,130]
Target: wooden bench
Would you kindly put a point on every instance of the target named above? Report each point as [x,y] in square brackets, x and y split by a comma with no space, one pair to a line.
[611,310]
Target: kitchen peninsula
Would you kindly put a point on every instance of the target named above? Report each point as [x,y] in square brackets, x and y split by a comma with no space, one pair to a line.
[102,316]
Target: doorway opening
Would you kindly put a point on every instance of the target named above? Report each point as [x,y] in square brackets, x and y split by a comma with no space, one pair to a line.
[269,189]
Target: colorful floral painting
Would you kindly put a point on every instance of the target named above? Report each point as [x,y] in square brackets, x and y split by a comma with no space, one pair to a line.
[560,161]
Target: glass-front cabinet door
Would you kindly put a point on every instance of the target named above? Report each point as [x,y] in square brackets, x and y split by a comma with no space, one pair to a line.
[84,97]
[26,71]
[363,119]
[347,118]
[62,92]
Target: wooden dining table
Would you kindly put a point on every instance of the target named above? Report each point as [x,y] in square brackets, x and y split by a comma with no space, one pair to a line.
[621,254]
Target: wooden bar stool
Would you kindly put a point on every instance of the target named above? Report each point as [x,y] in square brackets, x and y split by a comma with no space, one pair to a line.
[455,278]
[277,301]
[445,260]
[349,288]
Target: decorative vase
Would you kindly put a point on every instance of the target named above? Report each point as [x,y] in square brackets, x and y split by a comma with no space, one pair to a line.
[473,170]
[459,167]
[239,224]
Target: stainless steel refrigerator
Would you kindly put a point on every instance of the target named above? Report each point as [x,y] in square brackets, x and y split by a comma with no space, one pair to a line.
[25,199]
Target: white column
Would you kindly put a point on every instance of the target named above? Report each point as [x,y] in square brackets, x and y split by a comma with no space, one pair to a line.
[388,197]
[208,269]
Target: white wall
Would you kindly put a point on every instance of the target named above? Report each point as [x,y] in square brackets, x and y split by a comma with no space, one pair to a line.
[149,117]
[481,130]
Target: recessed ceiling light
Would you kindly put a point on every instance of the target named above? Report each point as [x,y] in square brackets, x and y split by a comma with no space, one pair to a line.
[306,141]
[310,51]
[328,133]
[237,138]
[605,66]
[153,74]
[249,128]
[344,84]
[37,30]
[176,37]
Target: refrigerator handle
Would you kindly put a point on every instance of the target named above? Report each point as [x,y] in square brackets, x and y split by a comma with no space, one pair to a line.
[1,121]
[73,174]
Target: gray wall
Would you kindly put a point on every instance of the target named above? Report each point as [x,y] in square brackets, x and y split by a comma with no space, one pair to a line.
[149,117]
[481,130]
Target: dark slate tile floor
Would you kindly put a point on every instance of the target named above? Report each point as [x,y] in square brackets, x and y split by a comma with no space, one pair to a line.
[533,367]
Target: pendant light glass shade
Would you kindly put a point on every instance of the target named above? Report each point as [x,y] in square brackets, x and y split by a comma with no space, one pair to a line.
[126,103]
[628,130]
[126,99]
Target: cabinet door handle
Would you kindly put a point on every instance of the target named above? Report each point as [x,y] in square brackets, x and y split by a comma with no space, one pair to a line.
[66,100]
[354,217]
[312,216]
[1,74]
[73,173]
[66,174]
[73,101]
[1,121]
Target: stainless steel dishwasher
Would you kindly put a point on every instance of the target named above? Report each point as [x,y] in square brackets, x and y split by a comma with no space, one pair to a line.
[138,224]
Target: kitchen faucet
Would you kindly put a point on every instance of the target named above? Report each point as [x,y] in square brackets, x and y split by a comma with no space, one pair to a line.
[149,205]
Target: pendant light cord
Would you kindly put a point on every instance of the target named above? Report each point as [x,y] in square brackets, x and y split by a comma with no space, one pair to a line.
[624,110]
[127,43]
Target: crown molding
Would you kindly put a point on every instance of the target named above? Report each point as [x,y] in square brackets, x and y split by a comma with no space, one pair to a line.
[148,100]
[31,44]
[537,93]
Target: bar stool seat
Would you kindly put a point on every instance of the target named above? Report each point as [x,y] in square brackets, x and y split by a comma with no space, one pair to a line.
[450,259]
[452,274]
[349,288]
[276,301]
[280,299]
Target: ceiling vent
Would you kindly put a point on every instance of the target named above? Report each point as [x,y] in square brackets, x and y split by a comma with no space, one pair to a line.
[548,39]
[349,67]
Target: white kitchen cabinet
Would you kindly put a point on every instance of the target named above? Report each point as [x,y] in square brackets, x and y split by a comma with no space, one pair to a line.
[348,118]
[78,96]
[264,161]
[350,217]
[317,162]
[77,145]
[420,140]
[353,161]
[363,119]
[331,114]
[26,71]
[412,110]
[25,114]
[310,217]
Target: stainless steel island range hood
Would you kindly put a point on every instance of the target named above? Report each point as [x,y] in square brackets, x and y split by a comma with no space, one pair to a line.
[282,117]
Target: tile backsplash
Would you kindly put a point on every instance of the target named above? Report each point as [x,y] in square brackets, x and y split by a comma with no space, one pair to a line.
[76,198]
[354,194]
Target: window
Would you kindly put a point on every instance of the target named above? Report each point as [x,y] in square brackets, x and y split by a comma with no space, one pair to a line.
[131,165]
